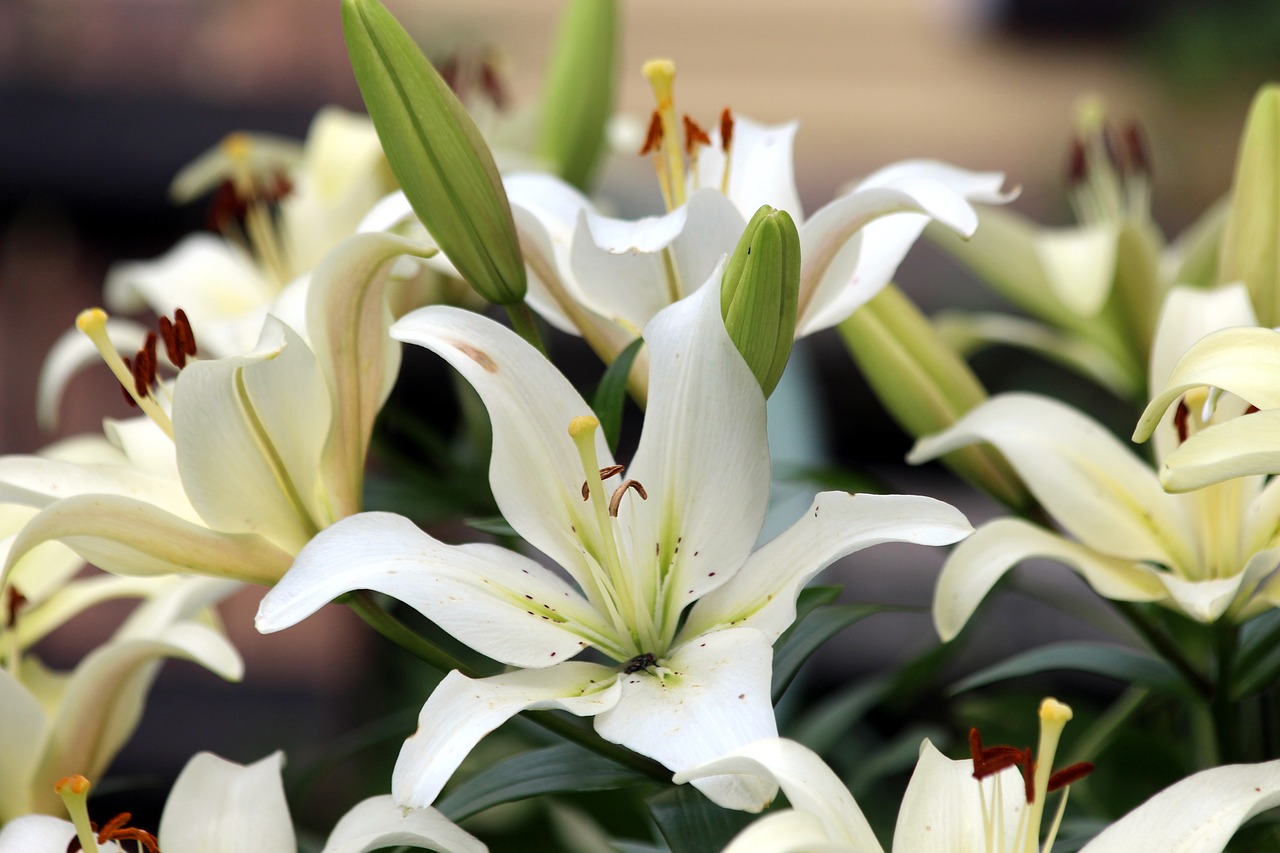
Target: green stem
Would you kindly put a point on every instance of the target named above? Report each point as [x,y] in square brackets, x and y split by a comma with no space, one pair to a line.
[1225,718]
[522,321]
[1165,646]
[578,731]
[1098,736]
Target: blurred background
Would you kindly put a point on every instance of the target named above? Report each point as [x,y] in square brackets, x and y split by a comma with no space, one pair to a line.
[102,101]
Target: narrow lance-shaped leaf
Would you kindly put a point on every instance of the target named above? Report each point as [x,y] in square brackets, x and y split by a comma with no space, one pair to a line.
[436,153]
[578,95]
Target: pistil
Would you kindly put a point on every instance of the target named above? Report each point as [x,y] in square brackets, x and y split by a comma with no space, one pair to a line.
[93,323]
[661,74]
[74,791]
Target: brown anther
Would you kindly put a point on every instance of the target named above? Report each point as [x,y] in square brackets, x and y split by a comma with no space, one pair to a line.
[185,337]
[449,73]
[694,136]
[124,389]
[611,471]
[226,207]
[15,602]
[1180,416]
[726,130]
[170,340]
[1252,408]
[117,830]
[616,501]
[1135,150]
[653,136]
[1069,775]
[143,367]
[1077,166]
[491,84]
[586,491]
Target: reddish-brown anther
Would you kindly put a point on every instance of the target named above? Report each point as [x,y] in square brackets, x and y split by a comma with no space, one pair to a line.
[1069,775]
[1135,149]
[491,84]
[726,130]
[16,601]
[1077,167]
[653,136]
[117,830]
[693,136]
[1180,416]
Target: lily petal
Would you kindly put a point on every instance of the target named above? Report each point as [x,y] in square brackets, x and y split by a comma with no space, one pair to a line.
[535,472]
[494,600]
[1198,814]
[1100,492]
[39,833]
[378,823]
[463,710]
[20,744]
[787,832]
[703,456]
[711,695]
[1235,448]
[763,593]
[943,810]
[220,805]
[811,787]
[978,563]
[762,171]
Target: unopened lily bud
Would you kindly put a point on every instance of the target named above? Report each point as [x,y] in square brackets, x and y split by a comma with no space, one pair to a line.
[760,292]
[436,153]
[1248,249]
[578,95]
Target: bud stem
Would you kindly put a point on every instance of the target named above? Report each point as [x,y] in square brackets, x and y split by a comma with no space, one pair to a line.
[523,323]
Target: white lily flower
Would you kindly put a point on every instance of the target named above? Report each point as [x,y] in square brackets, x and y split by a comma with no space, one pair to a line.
[59,723]
[665,583]
[948,807]
[1207,554]
[246,457]
[218,806]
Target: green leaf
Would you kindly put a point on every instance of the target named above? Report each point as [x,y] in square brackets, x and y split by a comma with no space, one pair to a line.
[436,152]
[691,823]
[495,525]
[1124,665]
[808,633]
[550,770]
[826,478]
[1258,662]
[611,393]
[825,723]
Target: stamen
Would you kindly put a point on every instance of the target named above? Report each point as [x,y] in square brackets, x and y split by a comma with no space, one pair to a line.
[491,84]
[1077,165]
[15,602]
[653,136]
[694,136]
[93,323]
[74,791]
[661,74]
[1180,416]
[726,145]
[615,502]
[1069,775]
[605,473]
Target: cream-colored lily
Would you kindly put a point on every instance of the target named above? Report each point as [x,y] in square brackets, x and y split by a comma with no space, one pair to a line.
[1207,554]
[218,806]
[962,807]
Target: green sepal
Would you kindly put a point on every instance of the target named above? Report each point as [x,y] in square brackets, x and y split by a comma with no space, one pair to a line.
[436,153]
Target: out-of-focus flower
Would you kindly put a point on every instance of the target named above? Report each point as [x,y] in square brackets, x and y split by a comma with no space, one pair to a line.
[1207,553]
[218,806]
[676,529]
[983,803]
[58,723]
[242,459]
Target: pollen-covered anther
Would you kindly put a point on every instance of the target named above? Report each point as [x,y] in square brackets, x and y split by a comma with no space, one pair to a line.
[615,502]
[726,130]
[179,340]
[694,136]
[14,601]
[1069,775]
[1180,416]
[652,136]
[116,829]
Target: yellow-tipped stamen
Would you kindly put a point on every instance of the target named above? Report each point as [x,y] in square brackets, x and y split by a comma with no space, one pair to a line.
[74,791]
[93,323]
[618,589]
[661,74]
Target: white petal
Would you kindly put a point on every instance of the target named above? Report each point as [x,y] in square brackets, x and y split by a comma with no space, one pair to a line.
[703,457]
[786,832]
[494,600]
[1079,265]
[763,594]
[37,833]
[69,354]
[983,187]
[535,470]
[1198,814]
[942,809]
[546,211]
[135,538]
[217,804]
[762,172]
[978,563]
[462,710]
[147,449]
[848,252]
[250,432]
[811,787]
[21,739]
[1091,484]
[1236,448]
[38,481]
[71,599]
[712,698]
[378,822]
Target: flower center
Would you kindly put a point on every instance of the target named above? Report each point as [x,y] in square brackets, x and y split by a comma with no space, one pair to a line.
[246,202]
[74,791]
[1038,780]
[671,142]
[137,375]
[1108,171]
[612,584]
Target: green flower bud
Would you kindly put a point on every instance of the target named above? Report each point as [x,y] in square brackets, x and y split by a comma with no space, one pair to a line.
[578,95]
[760,292]
[1250,249]
[436,153]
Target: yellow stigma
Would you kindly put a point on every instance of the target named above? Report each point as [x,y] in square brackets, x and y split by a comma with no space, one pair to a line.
[661,74]
[74,791]
[1054,712]
[93,323]
[582,425]
[236,146]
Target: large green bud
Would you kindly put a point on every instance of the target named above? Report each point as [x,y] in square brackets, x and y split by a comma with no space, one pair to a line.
[577,98]
[760,292]
[436,153]
[1250,249]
